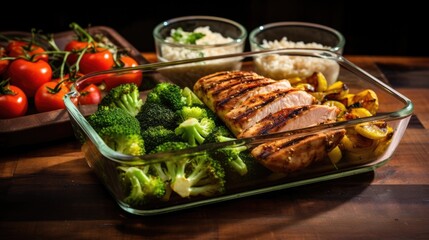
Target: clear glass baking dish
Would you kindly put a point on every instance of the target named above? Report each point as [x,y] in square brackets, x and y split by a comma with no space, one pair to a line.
[394,111]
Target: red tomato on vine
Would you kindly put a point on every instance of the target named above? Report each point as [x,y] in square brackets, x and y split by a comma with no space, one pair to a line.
[13,101]
[17,48]
[3,63]
[96,59]
[91,94]
[74,46]
[50,96]
[129,77]
[29,75]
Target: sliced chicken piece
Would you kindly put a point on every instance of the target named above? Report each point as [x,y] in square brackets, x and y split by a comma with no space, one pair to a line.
[260,106]
[222,91]
[244,92]
[292,118]
[292,154]
[206,86]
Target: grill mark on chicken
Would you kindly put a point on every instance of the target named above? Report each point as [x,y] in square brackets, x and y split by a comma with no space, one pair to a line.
[240,83]
[260,101]
[292,118]
[296,153]
[235,93]
[217,79]
[279,118]
[259,106]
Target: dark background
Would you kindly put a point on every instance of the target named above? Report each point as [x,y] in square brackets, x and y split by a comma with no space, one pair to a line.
[370,27]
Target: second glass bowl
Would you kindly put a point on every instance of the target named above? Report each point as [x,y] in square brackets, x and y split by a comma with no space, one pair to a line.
[282,35]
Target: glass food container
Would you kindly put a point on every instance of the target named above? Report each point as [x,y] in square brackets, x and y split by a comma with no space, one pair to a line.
[374,119]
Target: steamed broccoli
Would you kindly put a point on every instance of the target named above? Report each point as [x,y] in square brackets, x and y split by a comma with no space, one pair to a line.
[219,134]
[125,96]
[119,130]
[189,98]
[141,187]
[199,175]
[192,112]
[165,170]
[194,131]
[170,146]
[231,155]
[153,114]
[154,136]
[191,176]
[167,94]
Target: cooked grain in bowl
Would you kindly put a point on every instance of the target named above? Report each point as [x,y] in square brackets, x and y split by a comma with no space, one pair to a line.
[197,39]
[282,67]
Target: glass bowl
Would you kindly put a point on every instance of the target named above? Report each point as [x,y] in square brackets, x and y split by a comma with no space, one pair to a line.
[355,152]
[197,37]
[296,35]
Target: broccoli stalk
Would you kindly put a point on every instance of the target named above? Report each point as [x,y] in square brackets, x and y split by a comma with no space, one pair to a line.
[142,187]
[194,131]
[125,96]
[232,155]
[165,170]
[200,175]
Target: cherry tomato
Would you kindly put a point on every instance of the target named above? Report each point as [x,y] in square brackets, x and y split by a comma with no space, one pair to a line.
[50,96]
[29,75]
[13,102]
[17,48]
[68,80]
[3,63]
[74,46]
[91,94]
[96,59]
[133,77]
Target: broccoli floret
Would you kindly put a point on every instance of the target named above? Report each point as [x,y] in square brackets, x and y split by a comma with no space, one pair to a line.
[170,146]
[154,136]
[119,130]
[141,187]
[198,112]
[230,155]
[199,175]
[233,157]
[153,114]
[194,131]
[219,134]
[167,94]
[192,112]
[125,96]
[189,98]
[165,170]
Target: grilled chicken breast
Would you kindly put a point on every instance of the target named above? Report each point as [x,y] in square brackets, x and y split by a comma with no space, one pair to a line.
[295,153]
[242,98]
[292,118]
[252,105]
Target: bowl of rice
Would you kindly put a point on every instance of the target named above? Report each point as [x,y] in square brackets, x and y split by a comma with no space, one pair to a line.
[301,35]
[192,37]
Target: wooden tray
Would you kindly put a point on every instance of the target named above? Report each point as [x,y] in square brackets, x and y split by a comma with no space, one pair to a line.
[54,125]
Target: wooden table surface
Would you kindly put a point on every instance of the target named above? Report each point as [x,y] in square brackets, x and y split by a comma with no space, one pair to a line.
[47,191]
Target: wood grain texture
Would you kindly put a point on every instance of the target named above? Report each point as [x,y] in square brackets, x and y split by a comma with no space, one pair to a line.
[48,192]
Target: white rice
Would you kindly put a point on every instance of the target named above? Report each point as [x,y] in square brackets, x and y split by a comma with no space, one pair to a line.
[200,49]
[283,67]
[284,43]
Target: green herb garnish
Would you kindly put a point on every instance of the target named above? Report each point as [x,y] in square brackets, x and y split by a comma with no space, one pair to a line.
[183,37]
